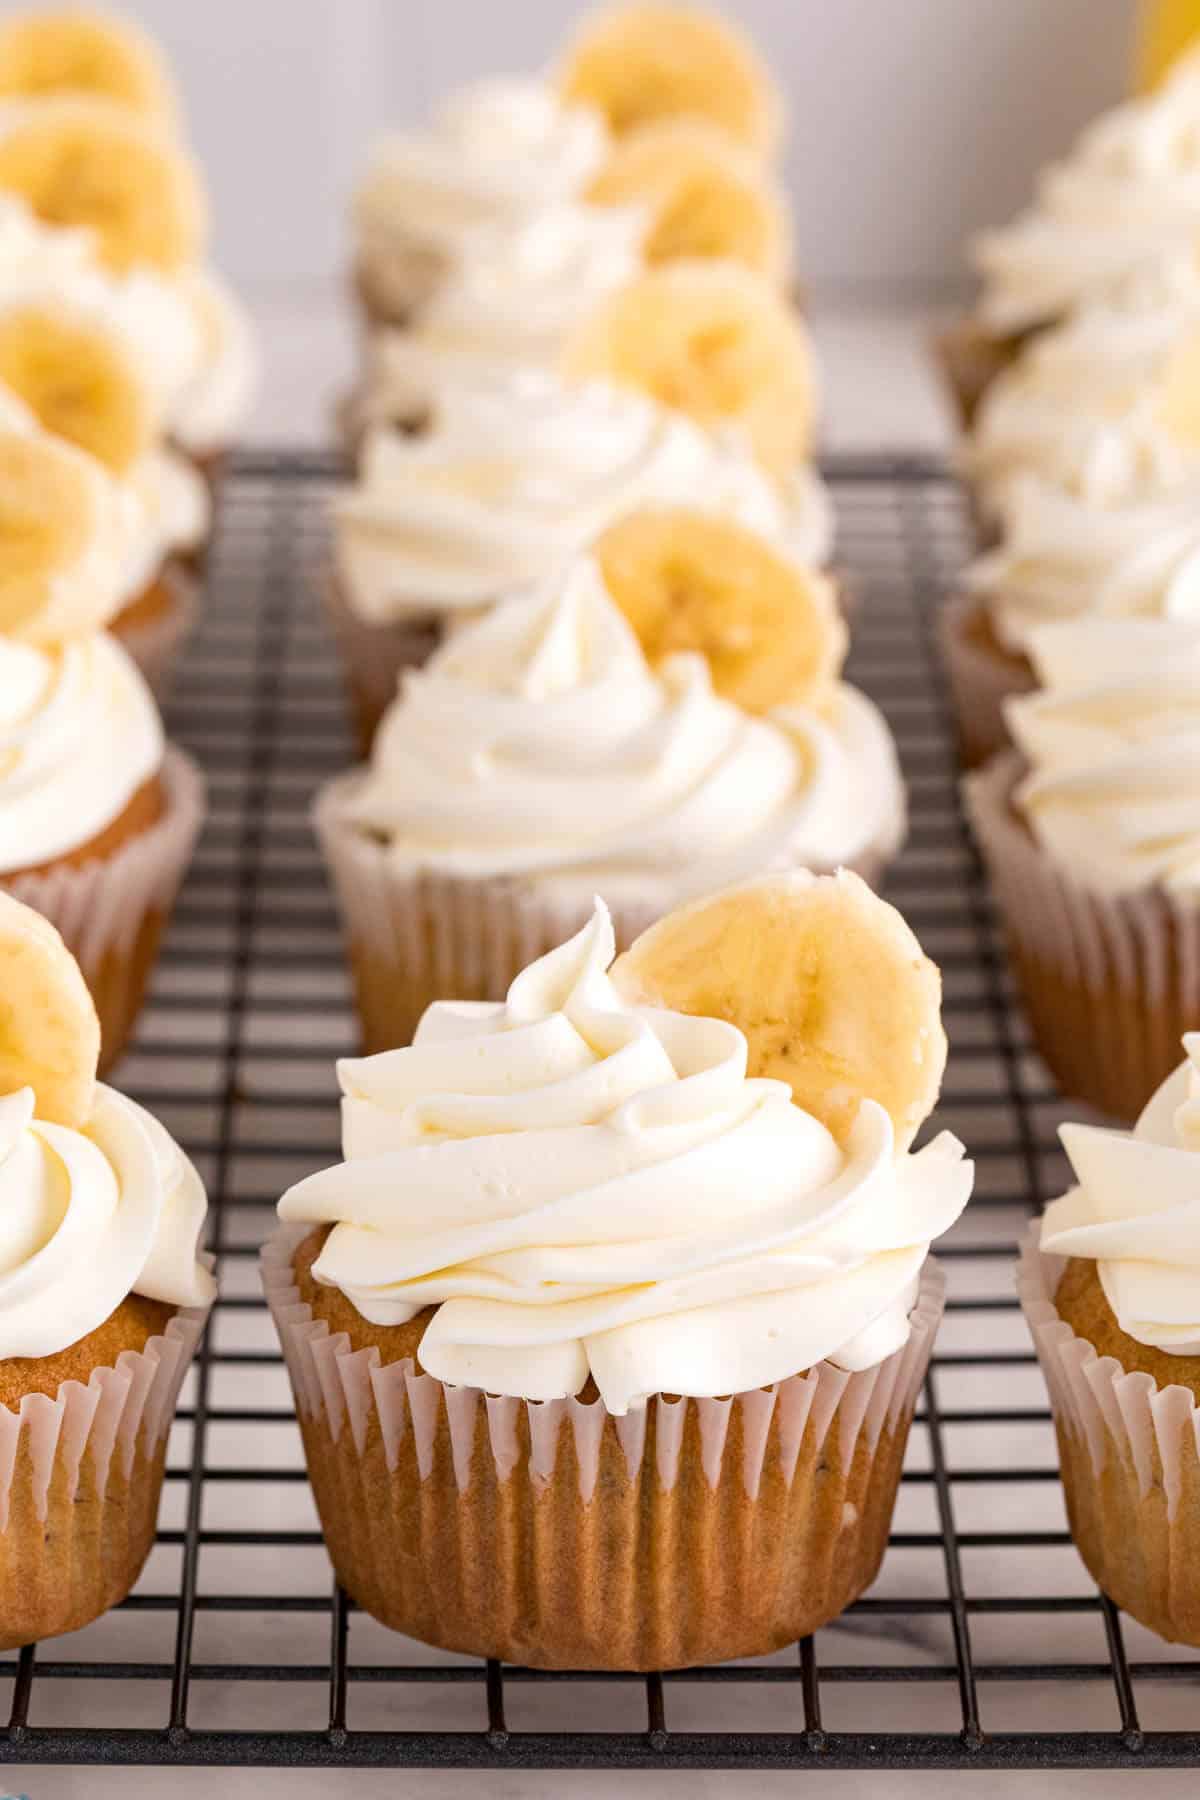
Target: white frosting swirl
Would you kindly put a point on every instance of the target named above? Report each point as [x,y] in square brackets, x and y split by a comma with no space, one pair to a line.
[1088,408]
[1062,558]
[175,511]
[211,410]
[88,1217]
[1136,1211]
[497,153]
[586,1188]
[538,743]
[1123,206]
[1113,743]
[516,475]
[79,735]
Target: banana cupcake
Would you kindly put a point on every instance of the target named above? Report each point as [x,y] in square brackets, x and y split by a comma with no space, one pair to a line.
[1122,207]
[655,722]
[1091,835]
[606,1335]
[513,478]
[103,1297]
[1109,1283]
[98,814]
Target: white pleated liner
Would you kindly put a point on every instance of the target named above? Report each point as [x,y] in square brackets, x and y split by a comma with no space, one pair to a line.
[352,1387]
[980,682]
[155,644]
[1107,1407]
[134,1399]
[100,906]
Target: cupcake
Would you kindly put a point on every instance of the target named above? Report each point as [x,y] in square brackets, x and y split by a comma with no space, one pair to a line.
[1062,557]
[620,1376]
[513,477]
[1123,206]
[657,721]
[103,1298]
[539,182]
[1091,835]
[1109,1282]
[98,814]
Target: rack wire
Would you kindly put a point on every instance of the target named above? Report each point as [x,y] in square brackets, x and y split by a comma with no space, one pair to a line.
[982,1645]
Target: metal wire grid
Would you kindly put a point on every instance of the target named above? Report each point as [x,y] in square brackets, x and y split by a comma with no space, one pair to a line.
[982,1645]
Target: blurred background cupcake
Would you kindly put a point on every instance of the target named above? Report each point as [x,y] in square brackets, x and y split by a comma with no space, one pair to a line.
[657,721]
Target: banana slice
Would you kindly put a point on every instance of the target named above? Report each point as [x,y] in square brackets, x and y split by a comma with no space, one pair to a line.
[71,51]
[706,196]
[63,525]
[92,163]
[49,1032]
[640,63]
[829,985]
[1179,387]
[711,340]
[770,629]
[80,381]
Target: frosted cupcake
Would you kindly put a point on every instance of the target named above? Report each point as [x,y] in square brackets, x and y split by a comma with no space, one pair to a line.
[1109,1286]
[1123,207]
[98,814]
[1091,834]
[544,753]
[1062,558]
[103,1297]
[513,477]
[613,1368]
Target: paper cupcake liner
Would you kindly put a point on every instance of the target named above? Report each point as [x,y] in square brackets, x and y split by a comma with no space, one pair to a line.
[155,643]
[981,677]
[1110,981]
[414,936]
[558,1535]
[1129,1452]
[112,912]
[375,656]
[80,1479]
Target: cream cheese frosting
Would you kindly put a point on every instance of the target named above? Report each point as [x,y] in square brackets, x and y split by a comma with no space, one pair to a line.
[1113,744]
[1104,407]
[585,1188]
[517,474]
[1124,205]
[79,735]
[1062,558]
[497,152]
[88,1217]
[539,744]
[213,405]
[1136,1211]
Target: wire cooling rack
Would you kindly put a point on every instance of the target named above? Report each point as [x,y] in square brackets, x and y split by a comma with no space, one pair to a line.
[982,1645]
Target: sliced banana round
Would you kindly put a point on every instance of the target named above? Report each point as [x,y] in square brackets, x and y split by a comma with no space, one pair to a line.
[93,163]
[712,340]
[640,63]
[80,381]
[769,628]
[68,50]
[49,1032]
[832,990]
[705,194]
[66,529]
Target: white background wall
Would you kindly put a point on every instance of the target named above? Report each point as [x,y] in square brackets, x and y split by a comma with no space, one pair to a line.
[913,120]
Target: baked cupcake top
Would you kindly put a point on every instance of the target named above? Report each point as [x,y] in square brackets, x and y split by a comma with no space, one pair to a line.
[583,1185]
[1126,202]
[540,742]
[79,736]
[1063,558]
[515,475]
[1106,407]
[1134,1211]
[96,1200]
[1113,744]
